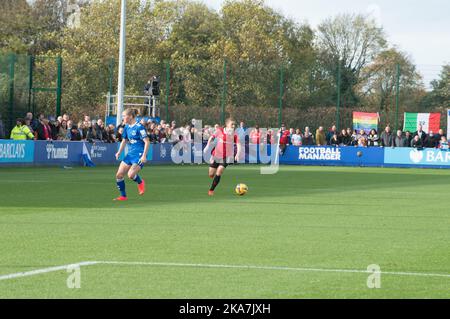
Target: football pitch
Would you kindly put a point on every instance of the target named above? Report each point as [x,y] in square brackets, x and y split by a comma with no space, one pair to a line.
[305,232]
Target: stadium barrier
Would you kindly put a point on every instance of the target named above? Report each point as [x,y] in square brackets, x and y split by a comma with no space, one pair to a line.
[70,153]
[410,157]
[333,156]
[61,153]
[14,152]
[367,156]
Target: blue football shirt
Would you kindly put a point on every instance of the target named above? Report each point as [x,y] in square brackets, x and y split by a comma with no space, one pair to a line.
[135,134]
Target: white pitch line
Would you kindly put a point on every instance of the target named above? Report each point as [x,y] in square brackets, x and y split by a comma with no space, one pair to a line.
[45,270]
[219,266]
[125,263]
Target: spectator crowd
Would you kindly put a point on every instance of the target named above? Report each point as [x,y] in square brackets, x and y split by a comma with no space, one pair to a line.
[349,137]
[63,128]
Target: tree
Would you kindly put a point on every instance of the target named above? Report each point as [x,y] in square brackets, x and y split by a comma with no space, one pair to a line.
[190,42]
[87,50]
[379,81]
[257,42]
[51,17]
[34,28]
[352,41]
[440,94]
[16,26]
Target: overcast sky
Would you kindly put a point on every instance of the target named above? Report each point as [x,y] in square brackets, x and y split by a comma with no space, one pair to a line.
[420,28]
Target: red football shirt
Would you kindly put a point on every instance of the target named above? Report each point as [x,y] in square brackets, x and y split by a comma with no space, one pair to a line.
[255,137]
[285,137]
[225,144]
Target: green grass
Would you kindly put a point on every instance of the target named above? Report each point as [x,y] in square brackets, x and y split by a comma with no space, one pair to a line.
[310,217]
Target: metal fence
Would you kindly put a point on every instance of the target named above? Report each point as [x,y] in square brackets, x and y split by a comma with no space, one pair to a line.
[267,95]
[262,92]
[29,84]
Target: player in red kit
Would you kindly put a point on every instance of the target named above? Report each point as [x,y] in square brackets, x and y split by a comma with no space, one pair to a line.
[284,138]
[223,153]
[255,136]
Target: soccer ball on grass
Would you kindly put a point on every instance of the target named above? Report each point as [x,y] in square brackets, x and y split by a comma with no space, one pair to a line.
[241,189]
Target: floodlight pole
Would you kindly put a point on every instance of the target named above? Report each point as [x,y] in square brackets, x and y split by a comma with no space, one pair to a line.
[122,46]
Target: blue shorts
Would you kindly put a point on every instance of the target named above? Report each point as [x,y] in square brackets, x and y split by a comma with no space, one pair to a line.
[133,159]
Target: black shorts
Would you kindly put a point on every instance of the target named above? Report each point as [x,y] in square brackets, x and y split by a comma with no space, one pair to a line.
[216,165]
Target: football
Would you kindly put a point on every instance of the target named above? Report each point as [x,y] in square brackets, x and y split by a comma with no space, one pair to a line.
[241,189]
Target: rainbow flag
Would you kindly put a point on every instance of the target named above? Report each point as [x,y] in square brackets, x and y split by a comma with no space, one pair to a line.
[365,121]
[429,122]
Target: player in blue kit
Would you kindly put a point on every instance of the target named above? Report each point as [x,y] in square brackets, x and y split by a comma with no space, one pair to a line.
[138,145]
